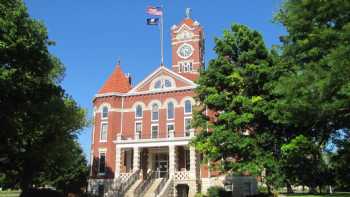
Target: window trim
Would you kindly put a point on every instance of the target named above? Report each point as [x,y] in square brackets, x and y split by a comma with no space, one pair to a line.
[185,107]
[102,123]
[152,131]
[167,111]
[99,161]
[138,117]
[167,129]
[136,122]
[102,117]
[153,120]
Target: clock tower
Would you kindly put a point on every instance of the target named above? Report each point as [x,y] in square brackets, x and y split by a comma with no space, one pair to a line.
[187,41]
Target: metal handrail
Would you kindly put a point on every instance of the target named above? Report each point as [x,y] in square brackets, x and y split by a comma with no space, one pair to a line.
[124,186]
[161,184]
[145,184]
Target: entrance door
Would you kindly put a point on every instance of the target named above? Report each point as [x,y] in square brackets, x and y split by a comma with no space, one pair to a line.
[162,164]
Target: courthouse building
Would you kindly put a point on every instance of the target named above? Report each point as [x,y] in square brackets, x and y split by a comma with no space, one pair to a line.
[141,134]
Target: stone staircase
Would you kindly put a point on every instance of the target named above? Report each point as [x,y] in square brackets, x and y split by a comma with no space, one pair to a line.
[151,192]
[131,190]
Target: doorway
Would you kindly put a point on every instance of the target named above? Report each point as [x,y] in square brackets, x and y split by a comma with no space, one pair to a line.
[162,161]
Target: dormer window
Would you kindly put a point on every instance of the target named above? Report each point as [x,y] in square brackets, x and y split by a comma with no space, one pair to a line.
[167,83]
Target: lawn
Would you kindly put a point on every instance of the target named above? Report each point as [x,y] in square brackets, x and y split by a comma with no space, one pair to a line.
[10,193]
[340,194]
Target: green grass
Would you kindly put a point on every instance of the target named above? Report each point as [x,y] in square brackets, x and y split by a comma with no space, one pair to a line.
[340,194]
[10,193]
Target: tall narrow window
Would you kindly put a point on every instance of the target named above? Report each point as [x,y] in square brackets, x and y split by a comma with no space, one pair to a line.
[188,107]
[170,110]
[138,129]
[170,129]
[102,163]
[188,126]
[154,131]
[139,112]
[155,112]
[105,112]
[103,133]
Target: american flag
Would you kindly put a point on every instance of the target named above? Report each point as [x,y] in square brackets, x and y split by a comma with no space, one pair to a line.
[155,11]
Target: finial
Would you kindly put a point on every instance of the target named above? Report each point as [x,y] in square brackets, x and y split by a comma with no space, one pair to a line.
[118,61]
[188,12]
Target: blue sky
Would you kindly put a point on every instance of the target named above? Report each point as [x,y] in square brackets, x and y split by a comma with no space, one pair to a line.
[91,36]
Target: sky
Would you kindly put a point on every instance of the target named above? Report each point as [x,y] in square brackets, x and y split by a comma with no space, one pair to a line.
[91,36]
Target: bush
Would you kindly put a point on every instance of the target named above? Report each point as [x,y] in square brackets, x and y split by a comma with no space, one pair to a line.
[261,195]
[218,192]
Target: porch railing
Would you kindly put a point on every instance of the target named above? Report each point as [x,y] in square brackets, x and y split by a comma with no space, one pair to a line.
[126,184]
[168,189]
[161,184]
[144,186]
[182,175]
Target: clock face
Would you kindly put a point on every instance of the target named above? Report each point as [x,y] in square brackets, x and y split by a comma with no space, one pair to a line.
[185,51]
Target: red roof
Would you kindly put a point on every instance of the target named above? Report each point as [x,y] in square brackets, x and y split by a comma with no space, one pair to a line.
[117,82]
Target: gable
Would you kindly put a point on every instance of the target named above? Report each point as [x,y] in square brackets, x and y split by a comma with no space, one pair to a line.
[163,73]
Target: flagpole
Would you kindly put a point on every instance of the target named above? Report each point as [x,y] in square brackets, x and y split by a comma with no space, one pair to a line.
[161,38]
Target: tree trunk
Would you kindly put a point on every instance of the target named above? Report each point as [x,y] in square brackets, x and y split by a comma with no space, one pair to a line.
[289,188]
[269,189]
[313,189]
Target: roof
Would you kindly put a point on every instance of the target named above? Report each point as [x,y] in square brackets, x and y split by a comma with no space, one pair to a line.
[117,82]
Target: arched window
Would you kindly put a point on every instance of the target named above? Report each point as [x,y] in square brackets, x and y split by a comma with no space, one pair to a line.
[188,107]
[138,112]
[170,110]
[105,112]
[158,84]
[167,83]
[155,112]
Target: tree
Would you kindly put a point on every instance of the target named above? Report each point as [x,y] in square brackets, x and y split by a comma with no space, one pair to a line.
[313,92]
[239,136]
[37,117]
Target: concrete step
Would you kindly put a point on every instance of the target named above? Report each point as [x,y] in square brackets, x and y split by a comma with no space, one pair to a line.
[152,189]
[131,190]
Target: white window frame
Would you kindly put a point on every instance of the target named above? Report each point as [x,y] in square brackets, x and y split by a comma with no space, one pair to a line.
[152,131]
[104,118]
[167,129]
[137,122]
[137,117]
[185,107]
[185,118]
[99,161]
[102,123]
[167,111]
[157,112]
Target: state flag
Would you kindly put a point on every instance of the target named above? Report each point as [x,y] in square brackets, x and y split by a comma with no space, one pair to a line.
[152,21]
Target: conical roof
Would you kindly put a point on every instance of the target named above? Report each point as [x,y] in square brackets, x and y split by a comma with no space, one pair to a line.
[117,82]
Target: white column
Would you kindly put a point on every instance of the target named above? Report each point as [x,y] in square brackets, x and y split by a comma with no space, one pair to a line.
[193,161]
[172,160]
[136,162]
[117,162]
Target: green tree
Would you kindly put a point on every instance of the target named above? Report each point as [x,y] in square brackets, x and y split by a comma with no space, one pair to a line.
[37,117]
[239,136]
[313,93]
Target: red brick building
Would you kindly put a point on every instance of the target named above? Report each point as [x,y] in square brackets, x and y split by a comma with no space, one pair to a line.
[141,134]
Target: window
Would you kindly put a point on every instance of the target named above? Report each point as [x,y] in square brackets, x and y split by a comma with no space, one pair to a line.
[154,131]
[103,135]
[105,112]
[170,128]
[186,67]
[102,163]
[187,159]
[139,112]
[138,130]
[188,107]
[158,84]
[167,83]
[170,112]
[188,126]
[155,112]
